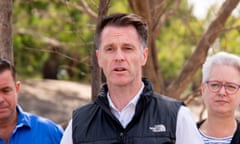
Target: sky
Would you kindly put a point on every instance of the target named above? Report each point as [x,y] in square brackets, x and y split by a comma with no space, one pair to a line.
[201,6]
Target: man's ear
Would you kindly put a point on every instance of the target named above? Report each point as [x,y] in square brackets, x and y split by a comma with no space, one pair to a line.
[98,58]
[145,56]
[18,86]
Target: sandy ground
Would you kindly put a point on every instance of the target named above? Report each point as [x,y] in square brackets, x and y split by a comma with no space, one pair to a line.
[53,99]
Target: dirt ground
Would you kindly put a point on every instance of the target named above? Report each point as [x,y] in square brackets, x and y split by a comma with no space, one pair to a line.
[57,99]
[53,99]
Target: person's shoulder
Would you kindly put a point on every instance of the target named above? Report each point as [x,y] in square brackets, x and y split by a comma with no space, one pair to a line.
[43,122]
[167,98]
[86,110]
[32,119]
[85,107]
[171,104]
[45,130]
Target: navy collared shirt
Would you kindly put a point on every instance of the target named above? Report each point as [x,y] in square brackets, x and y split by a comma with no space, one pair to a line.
[33,129]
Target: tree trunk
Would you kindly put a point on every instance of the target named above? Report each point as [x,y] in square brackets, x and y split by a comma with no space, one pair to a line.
[151,70]
[97,75]
[6,49]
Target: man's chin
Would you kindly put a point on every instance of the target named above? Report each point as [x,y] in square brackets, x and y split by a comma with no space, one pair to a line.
[120,83]
[4,117]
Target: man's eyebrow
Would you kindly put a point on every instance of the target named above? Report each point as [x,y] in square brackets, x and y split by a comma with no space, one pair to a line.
[128,44]
[6,88]
[108,45]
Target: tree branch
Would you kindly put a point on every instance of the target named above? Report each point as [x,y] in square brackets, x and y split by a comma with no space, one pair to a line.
[49,41]
[84,8]
[161,19]
[88,10]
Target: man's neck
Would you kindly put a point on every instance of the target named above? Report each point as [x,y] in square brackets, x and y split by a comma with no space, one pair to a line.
[121,96]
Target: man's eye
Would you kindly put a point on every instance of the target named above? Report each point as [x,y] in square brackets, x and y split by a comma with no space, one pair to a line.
[6,90]
[109,49]
[128,48]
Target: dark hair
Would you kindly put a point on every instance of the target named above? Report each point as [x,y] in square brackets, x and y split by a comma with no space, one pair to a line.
[122,19]
[5,64]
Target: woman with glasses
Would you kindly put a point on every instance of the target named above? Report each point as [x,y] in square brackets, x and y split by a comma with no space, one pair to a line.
[221,95]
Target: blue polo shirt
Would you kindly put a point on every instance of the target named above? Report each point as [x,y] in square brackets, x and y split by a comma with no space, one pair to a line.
[33,129]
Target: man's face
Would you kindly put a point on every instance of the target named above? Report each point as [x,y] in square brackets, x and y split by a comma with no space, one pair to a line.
[8,96]
[120,55]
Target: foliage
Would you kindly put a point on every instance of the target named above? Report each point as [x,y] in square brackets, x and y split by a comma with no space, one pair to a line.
[176,41]
[40,26]
[230,39]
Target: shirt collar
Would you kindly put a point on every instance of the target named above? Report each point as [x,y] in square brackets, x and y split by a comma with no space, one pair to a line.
[133,101]
[23,118]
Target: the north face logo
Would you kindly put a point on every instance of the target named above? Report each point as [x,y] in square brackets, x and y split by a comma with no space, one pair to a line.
[158,128]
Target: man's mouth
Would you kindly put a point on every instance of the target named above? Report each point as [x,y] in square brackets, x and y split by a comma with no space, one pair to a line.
[120,69]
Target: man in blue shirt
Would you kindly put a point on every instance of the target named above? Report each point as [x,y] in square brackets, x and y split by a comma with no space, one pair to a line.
[17,126]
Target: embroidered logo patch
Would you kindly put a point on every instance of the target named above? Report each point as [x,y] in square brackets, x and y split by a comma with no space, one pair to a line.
[158,128]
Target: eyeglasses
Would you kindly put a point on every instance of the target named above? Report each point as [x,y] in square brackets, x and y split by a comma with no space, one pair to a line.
[230,87]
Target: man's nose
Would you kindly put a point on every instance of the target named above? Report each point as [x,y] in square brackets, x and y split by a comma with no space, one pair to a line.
[119,55]
[1,99]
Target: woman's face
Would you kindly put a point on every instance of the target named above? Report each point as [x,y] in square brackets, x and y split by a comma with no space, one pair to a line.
[221,102]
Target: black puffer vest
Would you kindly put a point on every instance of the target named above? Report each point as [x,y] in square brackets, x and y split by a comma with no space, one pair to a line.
[154,121]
